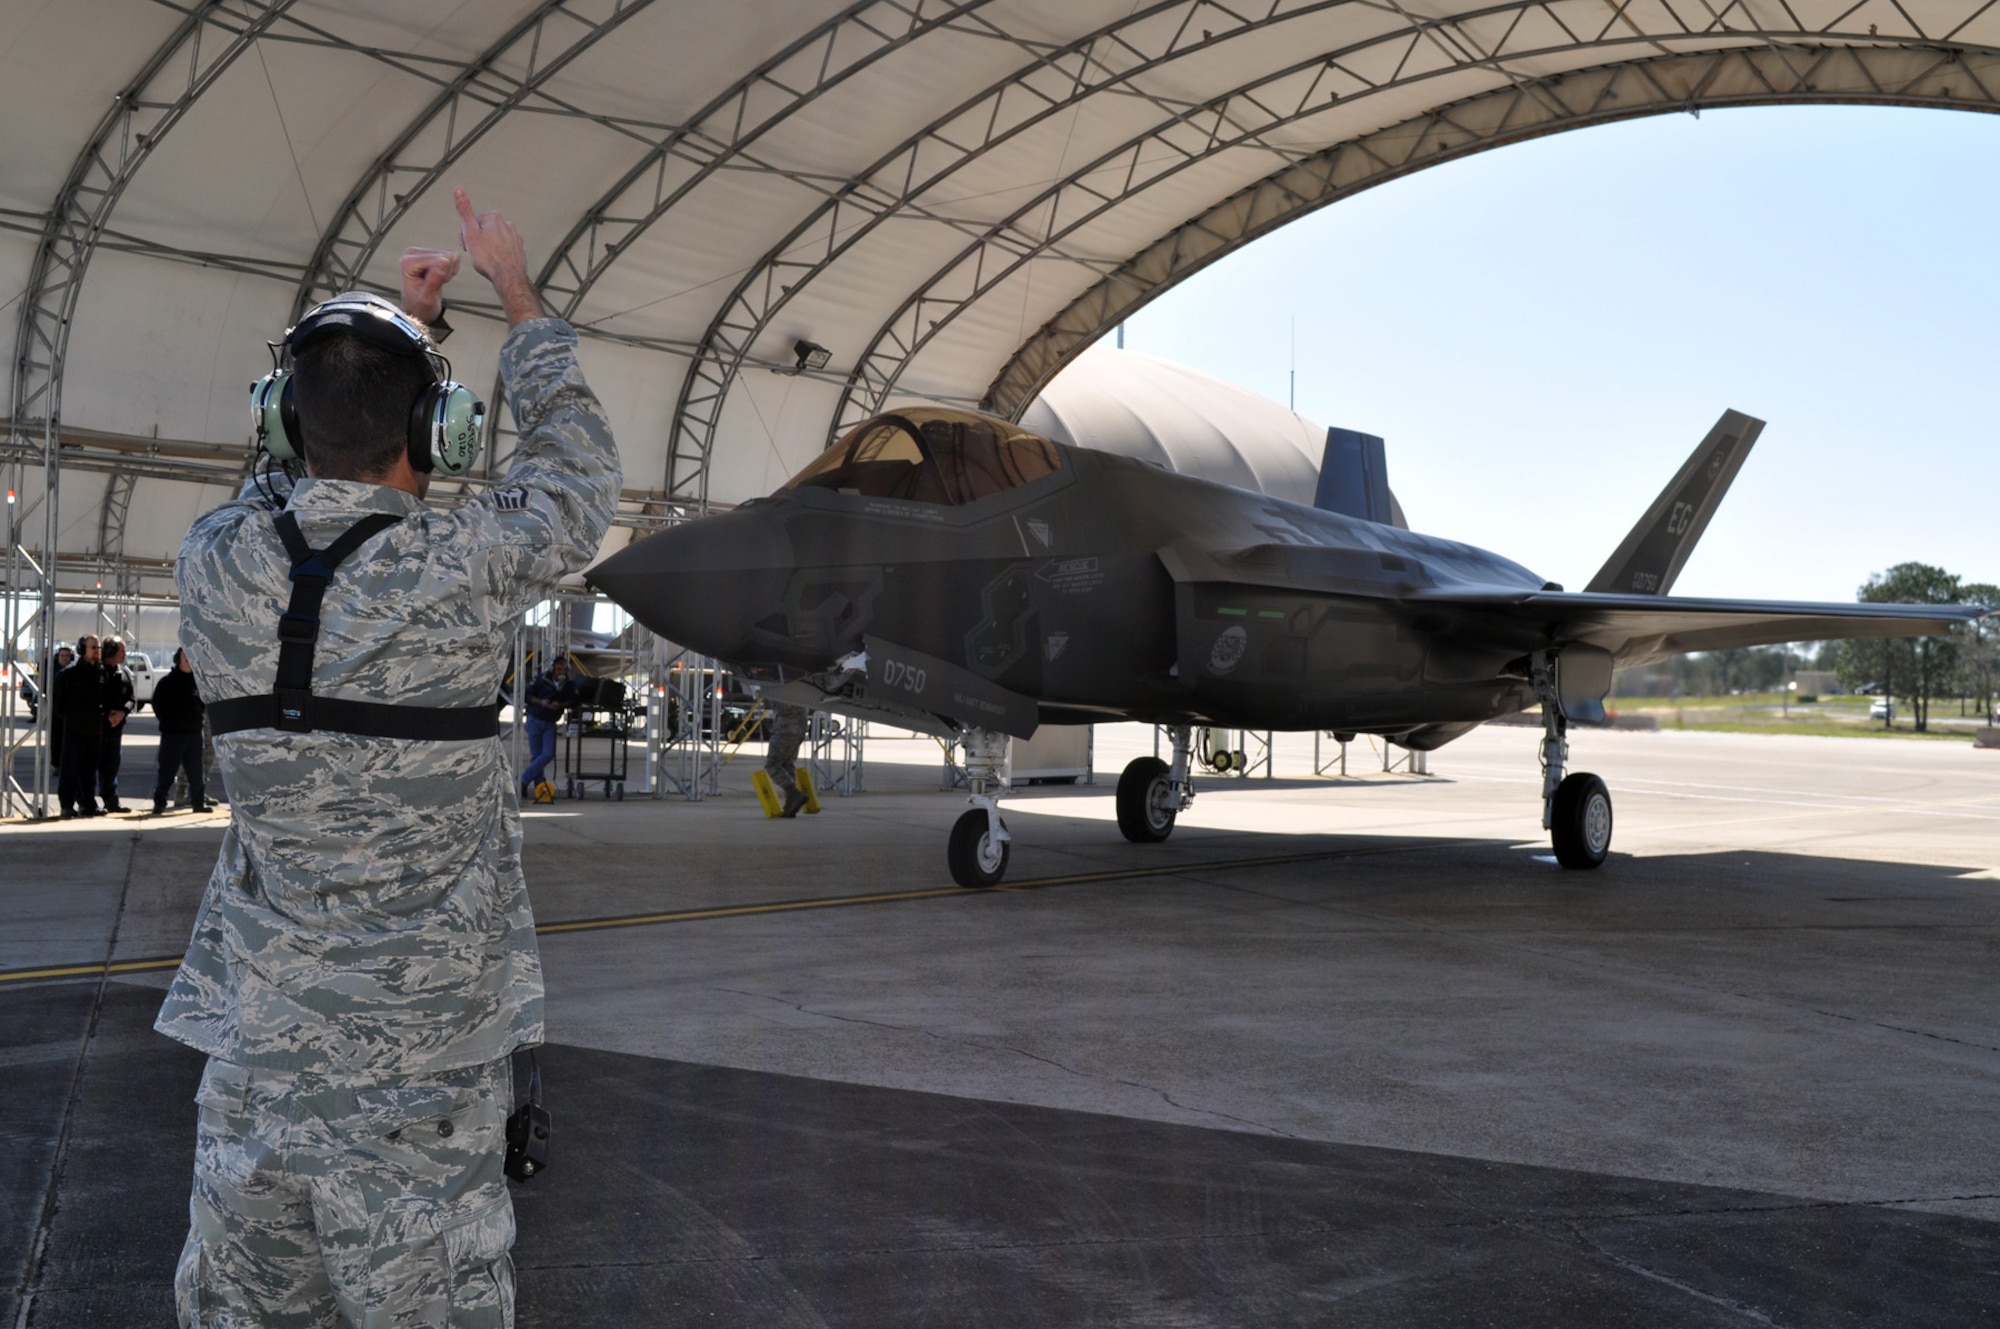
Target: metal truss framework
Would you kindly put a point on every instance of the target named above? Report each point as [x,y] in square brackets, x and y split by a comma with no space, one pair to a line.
[722,136]
[204,44]
[509,76]
[1496,39]
[1056,78]
[1622,60]
[1910,75]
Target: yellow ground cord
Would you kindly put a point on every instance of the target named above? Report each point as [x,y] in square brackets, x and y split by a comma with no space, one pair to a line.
[789,906]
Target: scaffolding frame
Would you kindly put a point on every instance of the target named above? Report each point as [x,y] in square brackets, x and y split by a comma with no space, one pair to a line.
[835,753]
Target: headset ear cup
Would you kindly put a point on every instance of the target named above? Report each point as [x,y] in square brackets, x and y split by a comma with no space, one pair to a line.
[458,423]
[275,416]
[422,412]
[288,419]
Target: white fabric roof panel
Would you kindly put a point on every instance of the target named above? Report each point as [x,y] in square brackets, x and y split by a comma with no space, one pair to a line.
[1182,420]
[954,196]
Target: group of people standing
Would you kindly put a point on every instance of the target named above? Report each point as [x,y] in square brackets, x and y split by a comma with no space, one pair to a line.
[92,697]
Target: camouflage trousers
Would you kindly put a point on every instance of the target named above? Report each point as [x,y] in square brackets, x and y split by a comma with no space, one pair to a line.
[787,729]
[328,1201]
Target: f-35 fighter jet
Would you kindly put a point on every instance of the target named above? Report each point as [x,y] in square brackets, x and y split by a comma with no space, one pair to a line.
[956,574]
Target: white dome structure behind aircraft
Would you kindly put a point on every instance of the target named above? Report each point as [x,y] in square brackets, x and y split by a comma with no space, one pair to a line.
[1185,421]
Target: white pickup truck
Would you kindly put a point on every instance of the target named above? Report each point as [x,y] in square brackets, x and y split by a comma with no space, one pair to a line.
[144,677]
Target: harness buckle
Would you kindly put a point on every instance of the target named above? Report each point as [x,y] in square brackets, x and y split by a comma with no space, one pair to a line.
[298,629]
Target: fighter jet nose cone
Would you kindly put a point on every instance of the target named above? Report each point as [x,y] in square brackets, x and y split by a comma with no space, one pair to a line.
[703,584]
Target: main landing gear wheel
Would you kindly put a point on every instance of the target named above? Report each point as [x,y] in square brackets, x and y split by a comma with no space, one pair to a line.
[1580,821]
[1146,808]
[976,861]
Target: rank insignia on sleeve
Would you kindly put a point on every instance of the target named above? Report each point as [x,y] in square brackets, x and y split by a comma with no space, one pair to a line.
[513,498]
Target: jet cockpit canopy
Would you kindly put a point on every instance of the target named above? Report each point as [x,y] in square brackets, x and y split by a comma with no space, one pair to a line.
[931,455]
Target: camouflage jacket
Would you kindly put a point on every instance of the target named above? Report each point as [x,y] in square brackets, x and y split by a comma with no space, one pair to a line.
[368,911]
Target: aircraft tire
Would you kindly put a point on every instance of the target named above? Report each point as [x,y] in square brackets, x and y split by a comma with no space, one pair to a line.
[1141,818]
[1580,821]
[971,852]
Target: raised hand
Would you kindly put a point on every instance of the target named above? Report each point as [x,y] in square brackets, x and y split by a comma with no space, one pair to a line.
[425,272]
[499,255]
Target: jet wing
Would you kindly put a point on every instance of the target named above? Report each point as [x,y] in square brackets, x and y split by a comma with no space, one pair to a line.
[1641,628]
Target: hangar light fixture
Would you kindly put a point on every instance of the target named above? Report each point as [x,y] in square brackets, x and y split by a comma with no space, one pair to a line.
[811,356]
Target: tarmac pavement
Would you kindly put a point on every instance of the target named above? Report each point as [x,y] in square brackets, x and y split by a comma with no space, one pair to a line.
[1339,1051]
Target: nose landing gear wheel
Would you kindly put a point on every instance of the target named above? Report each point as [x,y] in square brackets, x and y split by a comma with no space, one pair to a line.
[976,859]
[1146,808]
[1580,821]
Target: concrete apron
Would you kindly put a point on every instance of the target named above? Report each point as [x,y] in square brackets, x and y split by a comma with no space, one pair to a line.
[1251,1083]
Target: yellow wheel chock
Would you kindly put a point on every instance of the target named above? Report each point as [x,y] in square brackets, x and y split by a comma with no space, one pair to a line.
[767,793]
[805,780]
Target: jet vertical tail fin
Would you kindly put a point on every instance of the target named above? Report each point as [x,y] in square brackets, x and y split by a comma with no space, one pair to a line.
[1653,554]
[1354,477]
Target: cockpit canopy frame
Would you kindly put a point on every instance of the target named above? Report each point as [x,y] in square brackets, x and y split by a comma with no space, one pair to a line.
[932,454]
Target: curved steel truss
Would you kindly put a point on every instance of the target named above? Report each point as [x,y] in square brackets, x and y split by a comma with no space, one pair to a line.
[1055,79]
[1778,53]
[508,76]
[1916,75]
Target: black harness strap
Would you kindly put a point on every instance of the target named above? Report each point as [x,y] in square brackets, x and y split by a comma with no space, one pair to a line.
[291,706]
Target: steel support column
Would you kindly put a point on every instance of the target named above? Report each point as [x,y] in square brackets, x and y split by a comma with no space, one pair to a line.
[207,42]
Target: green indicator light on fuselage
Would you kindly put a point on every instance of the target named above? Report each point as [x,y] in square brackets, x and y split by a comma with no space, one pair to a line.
[1234,613]
[1270,613]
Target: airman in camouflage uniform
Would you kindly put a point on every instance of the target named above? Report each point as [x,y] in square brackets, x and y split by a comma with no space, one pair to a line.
[364,959]
[787,729]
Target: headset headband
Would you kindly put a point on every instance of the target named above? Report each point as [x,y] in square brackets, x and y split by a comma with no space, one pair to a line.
[370,318]
[447,423]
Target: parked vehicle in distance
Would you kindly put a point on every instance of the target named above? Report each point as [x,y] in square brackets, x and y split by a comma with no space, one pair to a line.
[1882,708]
[144,677]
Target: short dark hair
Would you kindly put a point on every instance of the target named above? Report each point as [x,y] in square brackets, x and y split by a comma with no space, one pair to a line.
[354,401]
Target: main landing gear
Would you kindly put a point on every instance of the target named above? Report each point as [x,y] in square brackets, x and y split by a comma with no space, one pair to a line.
[1576,809]
[978,848]
[1152,793]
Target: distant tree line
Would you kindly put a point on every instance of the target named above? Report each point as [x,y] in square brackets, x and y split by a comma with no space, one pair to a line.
[1921,670]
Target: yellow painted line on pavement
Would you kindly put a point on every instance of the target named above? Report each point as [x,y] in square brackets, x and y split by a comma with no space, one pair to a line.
[92,970]
[791,906]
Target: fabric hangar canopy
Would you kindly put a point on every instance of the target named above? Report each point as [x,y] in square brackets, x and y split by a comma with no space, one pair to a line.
[769,221]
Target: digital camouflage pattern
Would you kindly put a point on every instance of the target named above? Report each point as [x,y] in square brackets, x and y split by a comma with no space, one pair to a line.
[367,913]
[321,1200]
[787,728]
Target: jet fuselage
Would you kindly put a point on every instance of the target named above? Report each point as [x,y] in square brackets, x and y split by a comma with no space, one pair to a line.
[1105,589]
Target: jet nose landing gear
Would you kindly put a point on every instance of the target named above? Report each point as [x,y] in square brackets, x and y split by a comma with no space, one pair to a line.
[979,847]
[1576,809]
[1151,793]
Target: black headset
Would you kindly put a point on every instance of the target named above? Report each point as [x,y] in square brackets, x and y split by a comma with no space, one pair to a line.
[446,420]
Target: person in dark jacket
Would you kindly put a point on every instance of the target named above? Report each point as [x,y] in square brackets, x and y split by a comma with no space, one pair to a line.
[119,700]
[65,657]
[178,706]
[79,701]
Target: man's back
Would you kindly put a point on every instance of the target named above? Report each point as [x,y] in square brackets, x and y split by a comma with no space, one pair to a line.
[368,911]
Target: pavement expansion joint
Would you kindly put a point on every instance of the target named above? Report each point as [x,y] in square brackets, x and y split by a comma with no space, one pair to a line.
[1731,1304]
[1904,1029]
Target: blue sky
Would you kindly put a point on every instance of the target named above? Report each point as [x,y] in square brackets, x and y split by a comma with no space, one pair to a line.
[1544,332]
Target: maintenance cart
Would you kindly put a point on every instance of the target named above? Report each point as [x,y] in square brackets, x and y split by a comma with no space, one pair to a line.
[597,739]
